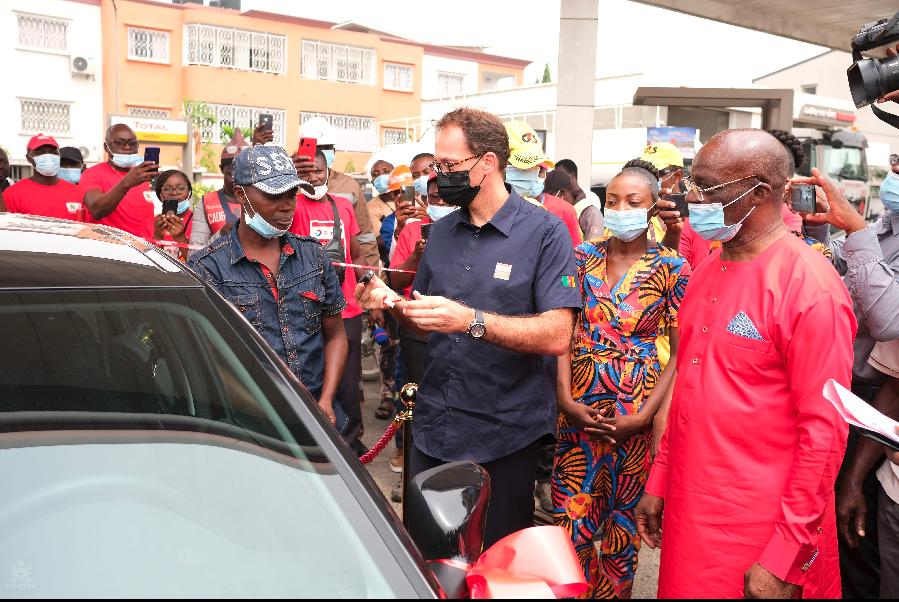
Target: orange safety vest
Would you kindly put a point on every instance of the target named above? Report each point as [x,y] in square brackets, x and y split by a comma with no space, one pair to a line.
[218,211]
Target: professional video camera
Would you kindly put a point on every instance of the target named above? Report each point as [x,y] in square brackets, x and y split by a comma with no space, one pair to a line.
[870,79]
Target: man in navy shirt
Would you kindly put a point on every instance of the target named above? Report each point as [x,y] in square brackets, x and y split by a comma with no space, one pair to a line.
[495,290]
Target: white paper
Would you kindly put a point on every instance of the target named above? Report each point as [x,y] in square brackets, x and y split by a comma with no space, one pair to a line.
[857,412]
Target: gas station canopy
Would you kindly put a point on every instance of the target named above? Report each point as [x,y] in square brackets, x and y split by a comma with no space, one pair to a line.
[830,23]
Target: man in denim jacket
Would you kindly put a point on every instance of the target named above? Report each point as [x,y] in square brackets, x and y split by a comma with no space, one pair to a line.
[282,283]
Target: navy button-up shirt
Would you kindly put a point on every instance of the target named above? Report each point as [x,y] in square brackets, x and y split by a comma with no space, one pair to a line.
[478,401]
[286,309]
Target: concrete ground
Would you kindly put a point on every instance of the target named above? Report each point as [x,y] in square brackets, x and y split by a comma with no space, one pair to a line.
[647,575]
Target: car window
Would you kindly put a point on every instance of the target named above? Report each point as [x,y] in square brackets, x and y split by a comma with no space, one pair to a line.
[153,454]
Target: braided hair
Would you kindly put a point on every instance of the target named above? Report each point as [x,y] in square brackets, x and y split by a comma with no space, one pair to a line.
[794,146]
[646,171]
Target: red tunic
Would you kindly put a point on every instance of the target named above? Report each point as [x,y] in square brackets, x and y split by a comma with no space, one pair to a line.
[748,462]
[134,213]
[567,214]
[62,200]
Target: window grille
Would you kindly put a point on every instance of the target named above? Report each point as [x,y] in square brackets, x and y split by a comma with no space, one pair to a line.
[231,48]
[398,77]
[394,136]
[338,62]
[451,84]
[37,31]
[148,113]
[241,116]
[148,45]
[354,133]
[45,116]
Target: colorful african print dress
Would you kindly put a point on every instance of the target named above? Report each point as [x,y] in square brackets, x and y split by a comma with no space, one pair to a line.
[596,486]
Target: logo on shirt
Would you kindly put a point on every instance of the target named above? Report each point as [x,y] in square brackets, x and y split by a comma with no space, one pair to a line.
[568,282]
[323,230]
[503,271]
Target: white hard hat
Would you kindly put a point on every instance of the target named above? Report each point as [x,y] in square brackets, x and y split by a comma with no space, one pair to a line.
[320,129]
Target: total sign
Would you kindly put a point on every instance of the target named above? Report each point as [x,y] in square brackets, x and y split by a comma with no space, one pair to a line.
[154,130]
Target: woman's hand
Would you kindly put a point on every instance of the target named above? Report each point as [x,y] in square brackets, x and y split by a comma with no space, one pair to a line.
[175,226]
[579,415]
[419,248]
[617,430]
[159,226]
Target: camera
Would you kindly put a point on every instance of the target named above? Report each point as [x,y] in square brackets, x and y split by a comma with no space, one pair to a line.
[870,79]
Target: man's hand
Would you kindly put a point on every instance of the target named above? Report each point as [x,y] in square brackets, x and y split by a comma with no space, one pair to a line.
[851,510]
[404,213]
[139,174]
[579,415]
[261,135]
[759,583]
[305,166]
[374,294]
[377,317]
[841,214]
[894,95]
[616,430]
[649,519]
[419,248]
[327,406]
[437,314]
[669,215]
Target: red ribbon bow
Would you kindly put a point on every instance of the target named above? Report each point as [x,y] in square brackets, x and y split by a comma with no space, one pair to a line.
[539,562]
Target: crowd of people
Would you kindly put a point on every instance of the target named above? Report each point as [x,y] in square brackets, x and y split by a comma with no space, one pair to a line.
[652,377]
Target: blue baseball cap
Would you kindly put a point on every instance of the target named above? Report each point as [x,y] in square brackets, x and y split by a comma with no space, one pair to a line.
[268,168]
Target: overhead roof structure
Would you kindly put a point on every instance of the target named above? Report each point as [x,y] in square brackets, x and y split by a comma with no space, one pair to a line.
[830,23]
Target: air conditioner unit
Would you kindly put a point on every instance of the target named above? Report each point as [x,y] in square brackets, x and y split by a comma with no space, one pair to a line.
[82,65]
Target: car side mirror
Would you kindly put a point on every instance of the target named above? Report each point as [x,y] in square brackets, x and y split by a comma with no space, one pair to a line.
[446,511]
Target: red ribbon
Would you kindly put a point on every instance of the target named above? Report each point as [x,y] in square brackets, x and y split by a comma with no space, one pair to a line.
[539,562]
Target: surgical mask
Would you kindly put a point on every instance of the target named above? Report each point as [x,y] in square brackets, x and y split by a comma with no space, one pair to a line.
[318,192]
[708,219]
[455,187]
[258,223]
[889,192]
[381,183]
[421,185]
[437,212]
[183,206]
[46,165]
[69,174]
[627,225]
[329,156]
[126,161]
[526,182]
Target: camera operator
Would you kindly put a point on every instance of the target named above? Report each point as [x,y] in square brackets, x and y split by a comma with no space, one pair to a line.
[868,258]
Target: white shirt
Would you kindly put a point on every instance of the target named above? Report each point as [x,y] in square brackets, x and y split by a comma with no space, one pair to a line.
[888,475]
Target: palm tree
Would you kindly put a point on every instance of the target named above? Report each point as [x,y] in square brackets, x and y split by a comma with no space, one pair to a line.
[201,116]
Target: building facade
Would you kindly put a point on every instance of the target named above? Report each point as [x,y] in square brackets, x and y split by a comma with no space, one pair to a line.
[53,81]
[236,65]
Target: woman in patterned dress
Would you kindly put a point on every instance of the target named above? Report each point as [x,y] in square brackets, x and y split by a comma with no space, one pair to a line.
[610,387]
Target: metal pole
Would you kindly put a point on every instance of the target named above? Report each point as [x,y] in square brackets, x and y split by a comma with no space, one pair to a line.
[407,396]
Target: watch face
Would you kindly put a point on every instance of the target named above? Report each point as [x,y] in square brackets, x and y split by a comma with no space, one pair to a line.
[477,331]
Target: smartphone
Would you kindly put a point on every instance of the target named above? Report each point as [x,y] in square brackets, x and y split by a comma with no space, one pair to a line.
[307,148]
[425,231]
[151,154]
[266,120]
[680,202]
[171,205]
[803,199]
[409,195]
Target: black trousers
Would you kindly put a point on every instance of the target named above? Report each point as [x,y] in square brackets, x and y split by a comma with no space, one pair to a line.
[860,569]
[348,389]
[511,506]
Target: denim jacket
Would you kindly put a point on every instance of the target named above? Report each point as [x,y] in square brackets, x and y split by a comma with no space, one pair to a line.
[287,310]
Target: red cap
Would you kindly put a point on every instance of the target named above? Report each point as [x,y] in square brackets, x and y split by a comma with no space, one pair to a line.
[432,176]
[41,140]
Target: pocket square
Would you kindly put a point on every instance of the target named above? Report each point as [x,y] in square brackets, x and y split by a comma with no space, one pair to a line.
[742,326]
[309,295]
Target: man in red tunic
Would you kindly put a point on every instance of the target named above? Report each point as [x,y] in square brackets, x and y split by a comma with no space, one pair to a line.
[746,469]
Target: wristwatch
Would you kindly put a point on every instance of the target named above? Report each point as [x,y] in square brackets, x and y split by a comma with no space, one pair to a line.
[477,329]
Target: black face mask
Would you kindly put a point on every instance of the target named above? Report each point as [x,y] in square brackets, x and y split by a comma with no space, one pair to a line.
[455,187]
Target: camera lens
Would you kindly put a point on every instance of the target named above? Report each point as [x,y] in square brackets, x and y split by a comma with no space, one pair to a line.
[872,78]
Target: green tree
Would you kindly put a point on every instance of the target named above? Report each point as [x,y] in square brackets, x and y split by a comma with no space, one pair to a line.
[547,78]
[349,167]
[228,131]
[207,158]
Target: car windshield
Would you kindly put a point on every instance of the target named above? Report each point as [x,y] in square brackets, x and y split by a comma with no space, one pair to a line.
[148,452]
[846,163]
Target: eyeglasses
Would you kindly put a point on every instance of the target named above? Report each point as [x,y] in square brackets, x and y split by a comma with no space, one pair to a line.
[697,191]
[447,166]
[433,198]
[174,189]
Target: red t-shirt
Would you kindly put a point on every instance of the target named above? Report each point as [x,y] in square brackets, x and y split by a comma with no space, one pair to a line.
[405,245]
[62,200]
[134,213]
[316,219]
[567,214]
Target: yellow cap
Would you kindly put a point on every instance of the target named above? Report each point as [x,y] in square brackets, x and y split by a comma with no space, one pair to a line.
[399,177]
[662,155]
[525,146]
